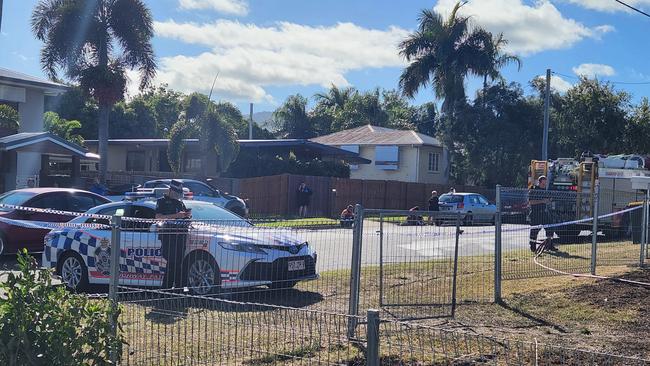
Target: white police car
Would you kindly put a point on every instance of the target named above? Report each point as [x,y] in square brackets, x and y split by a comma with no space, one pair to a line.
[228,253]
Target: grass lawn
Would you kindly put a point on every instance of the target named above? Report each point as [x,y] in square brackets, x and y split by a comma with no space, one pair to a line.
[560,310]
[310,222]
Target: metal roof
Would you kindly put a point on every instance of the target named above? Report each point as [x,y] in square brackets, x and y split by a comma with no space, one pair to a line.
[43,142]
[375,135]
[11,77]
[301,144]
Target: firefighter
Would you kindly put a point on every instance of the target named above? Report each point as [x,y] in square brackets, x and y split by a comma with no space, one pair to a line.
[539,201]
[173,233]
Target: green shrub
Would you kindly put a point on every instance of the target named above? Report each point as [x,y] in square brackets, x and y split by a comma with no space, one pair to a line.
[8,117]
[42,324]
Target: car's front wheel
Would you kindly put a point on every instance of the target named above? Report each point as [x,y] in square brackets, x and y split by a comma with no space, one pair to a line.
[203,276]
[73,272]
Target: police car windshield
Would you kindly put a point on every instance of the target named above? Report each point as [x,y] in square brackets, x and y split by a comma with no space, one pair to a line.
[205,211]
[14,198]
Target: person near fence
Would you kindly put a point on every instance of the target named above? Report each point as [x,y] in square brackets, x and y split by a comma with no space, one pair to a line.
[347,216]
[433,205]
[173,232]
[538,201]
[303,196]
[414,218]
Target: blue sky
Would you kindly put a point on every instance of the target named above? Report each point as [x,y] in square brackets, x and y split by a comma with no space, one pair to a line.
[265,50]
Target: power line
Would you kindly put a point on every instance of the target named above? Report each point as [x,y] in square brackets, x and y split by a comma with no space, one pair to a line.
[608,81]
[633,8]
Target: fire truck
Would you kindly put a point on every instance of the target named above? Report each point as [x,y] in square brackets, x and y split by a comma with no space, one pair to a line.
[577,178]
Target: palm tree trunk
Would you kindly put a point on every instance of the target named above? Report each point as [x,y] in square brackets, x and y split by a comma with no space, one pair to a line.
[104,111]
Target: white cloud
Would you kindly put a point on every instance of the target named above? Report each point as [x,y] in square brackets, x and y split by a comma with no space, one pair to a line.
[249,58]
[529,28]
[593,70]
[557,83]
[608,5]
[234,7]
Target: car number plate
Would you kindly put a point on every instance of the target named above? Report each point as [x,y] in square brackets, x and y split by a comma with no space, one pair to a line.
[296,265]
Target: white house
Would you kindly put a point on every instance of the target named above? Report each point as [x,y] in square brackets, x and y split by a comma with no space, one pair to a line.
[399,155]
[24,156]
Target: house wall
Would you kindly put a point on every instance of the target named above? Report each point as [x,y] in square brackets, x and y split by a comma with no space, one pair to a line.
[117,157]
[30,111]
[437,177]
[406,170]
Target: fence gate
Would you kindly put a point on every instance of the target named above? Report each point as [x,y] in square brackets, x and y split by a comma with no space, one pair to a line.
[418,262]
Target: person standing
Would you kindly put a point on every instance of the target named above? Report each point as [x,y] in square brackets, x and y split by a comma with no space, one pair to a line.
[303,197]
[538,200]
[433,205]
[173,234]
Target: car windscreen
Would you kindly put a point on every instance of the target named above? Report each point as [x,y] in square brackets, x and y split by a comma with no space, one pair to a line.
[15,198]
[204,211]
[451,198]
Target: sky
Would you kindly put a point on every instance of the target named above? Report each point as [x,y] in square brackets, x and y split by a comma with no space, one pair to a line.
[262,51]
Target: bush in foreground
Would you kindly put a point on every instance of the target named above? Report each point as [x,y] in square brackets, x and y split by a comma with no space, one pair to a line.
[42,324]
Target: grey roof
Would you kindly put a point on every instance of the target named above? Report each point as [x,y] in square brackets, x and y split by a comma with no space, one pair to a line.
[53,144]
[375,135]
[18,78]
[302,144]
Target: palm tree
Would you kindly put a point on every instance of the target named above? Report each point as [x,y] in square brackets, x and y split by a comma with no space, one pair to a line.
[335,98]
[497,60]
[292,118]
[441,53]
[213,125]
[93,42]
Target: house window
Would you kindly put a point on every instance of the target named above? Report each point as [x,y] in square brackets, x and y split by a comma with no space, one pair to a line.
[434,159]
[387,157]
[192,163]
[135,161]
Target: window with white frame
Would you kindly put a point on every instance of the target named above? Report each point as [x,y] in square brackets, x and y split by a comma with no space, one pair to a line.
[434,160]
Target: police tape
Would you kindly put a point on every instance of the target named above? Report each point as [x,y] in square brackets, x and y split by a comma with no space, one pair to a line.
[44,225]
[55,212]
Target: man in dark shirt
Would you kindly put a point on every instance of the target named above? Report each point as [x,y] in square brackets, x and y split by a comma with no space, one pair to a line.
[538,200]
[173,233]
[433,204]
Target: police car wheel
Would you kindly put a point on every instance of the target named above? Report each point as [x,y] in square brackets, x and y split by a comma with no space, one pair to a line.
[203,276]
[73,272]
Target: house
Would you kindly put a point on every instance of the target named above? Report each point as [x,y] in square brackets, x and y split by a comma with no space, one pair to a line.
[399,155]
[150,155]
[25,153]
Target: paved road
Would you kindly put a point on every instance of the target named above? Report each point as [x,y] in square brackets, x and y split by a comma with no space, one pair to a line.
[408,243]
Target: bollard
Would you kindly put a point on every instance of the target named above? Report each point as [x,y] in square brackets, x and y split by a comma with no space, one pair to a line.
[372,335]
[355,273]
[497,247]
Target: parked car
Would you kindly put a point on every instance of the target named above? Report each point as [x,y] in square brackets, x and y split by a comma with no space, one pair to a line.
[514,207]
[473,207]
[229,253]
[14,237]
[204,192]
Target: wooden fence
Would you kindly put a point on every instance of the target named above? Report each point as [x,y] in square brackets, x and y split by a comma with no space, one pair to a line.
[276,195]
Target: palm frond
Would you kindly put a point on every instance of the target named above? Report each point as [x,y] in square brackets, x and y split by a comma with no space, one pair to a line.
[417,75]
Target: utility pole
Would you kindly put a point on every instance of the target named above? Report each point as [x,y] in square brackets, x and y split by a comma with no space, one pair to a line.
[547,102]
[250,123]
[0,14]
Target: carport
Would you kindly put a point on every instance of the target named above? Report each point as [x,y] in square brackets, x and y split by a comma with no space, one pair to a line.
[35,150]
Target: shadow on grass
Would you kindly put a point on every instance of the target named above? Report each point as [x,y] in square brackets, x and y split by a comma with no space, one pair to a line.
[167,307]
[563,255]
[537,320]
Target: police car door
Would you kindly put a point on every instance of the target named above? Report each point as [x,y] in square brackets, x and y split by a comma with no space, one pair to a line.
[142,265]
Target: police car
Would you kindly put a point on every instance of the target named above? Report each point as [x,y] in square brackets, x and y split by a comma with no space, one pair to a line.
[223,251]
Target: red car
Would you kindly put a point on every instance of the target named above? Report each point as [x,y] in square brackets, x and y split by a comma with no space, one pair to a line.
[14,237]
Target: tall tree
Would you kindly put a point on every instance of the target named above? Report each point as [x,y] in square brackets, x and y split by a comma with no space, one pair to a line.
[213,126]
[292,119]
[62,127]
[441,53]
[94,42]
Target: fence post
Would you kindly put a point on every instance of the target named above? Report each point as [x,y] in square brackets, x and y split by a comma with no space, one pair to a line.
[381,260]
[116,225]
[644,229]
[594,228]
[372,335]
[454,282]
[497,247]
[355,270]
